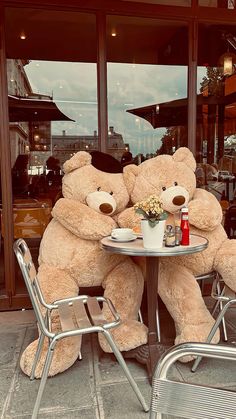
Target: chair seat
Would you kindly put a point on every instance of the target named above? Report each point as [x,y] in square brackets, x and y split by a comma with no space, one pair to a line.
[84,313]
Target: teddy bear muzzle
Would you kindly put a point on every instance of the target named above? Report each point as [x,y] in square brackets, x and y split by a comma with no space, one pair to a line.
[178,200]
[102,202]
[106,208]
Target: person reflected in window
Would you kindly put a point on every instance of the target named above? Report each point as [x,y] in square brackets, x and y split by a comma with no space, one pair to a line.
[127,158]
[53,176]
[20,177]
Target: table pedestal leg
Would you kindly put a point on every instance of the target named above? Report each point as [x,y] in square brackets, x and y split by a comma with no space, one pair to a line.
[150,353]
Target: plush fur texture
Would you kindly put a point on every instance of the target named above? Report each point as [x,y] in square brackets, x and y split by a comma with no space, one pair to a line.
[170,176]
[70,257]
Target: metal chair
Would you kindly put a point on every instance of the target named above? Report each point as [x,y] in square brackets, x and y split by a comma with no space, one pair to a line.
[78,316]
[191,401]
[225,298]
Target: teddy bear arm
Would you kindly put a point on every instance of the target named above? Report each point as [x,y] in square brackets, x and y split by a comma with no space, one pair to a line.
[128,218]
[205,211]
[81,220]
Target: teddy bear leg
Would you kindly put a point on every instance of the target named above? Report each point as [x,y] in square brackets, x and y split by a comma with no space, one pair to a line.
[124,287]
[55,284]
[225,263]
[182,296]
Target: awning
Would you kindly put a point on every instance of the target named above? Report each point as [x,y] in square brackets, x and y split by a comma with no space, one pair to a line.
[175,112]
[25,109]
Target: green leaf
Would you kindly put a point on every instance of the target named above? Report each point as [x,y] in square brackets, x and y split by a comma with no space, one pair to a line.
[153,222]
[140,211]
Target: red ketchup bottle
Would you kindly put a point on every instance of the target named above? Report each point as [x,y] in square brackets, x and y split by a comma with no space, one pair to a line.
[184,227]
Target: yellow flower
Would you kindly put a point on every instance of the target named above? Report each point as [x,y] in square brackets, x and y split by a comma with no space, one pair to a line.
[151,209]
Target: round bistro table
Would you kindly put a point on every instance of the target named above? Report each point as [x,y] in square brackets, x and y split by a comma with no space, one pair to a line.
[150,353]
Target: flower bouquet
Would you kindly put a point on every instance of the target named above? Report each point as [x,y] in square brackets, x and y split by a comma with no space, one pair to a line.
[153,222]
[151,209]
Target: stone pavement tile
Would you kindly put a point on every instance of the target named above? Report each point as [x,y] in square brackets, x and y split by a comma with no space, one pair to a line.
[72,389]
[214,372]
[89,413]
[109,371]
[70,414]
[10,345]
[17,317]
[120,401]
[5,386]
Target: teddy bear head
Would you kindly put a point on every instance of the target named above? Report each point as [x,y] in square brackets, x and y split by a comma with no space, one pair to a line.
[172,178]
[104,192]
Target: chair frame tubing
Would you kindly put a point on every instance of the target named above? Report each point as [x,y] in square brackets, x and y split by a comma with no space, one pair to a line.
[172,355]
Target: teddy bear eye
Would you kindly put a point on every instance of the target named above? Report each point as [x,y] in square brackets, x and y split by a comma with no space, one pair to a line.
[98,189]
[175,183]
[111,193]
[163,188]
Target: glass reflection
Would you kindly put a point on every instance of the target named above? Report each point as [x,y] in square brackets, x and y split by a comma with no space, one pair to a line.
[147,91]
[216,112]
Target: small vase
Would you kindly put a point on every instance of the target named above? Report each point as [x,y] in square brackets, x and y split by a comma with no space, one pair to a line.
[153,236]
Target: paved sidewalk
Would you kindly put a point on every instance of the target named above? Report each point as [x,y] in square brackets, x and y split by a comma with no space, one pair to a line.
[92,388]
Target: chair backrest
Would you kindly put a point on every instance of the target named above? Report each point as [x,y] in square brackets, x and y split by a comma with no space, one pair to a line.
[29,273]
[188,400]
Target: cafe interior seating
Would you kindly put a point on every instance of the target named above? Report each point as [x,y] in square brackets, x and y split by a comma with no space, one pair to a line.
[78,316]
[31,218]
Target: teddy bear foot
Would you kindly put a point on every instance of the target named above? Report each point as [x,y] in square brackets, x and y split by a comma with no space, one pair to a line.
[195,333]
[129,335]
[65,354]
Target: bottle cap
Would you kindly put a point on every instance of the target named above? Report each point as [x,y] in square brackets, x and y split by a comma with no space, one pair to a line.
[184,209]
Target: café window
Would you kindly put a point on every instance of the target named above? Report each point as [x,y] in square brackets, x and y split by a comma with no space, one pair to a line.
[147,86]
[52,94]
[216,110]
[225,4]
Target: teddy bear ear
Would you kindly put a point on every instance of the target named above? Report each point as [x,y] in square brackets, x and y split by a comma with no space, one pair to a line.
[183,154]
[130,172]
[80,159]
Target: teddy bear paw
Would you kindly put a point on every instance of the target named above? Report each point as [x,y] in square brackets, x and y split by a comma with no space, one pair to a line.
[65,354]
[195,333]
[129,335]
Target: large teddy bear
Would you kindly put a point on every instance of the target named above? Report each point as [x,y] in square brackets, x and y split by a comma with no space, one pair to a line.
[173,179]
[70,257]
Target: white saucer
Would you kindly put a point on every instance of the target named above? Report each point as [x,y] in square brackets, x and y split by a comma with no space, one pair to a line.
[138,235]
[122,240]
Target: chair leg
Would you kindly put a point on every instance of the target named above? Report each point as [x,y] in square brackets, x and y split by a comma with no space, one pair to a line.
[225,336]
[43,380]
[211,334]
[158,322]
[219,304]
[123,365]
[140,316]
[37,355]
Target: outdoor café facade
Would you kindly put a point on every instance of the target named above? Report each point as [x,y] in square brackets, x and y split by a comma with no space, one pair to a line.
[111,75]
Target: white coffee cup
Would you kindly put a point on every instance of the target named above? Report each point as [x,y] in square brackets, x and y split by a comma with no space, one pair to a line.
[122,233]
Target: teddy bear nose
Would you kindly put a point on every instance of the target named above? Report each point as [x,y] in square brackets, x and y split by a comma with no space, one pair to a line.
[178,200]
[106,208]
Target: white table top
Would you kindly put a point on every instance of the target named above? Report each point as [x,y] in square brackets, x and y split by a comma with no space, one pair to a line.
[135,248]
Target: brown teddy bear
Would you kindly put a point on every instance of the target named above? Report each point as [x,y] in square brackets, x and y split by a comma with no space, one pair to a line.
[173,179]
[70,257]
